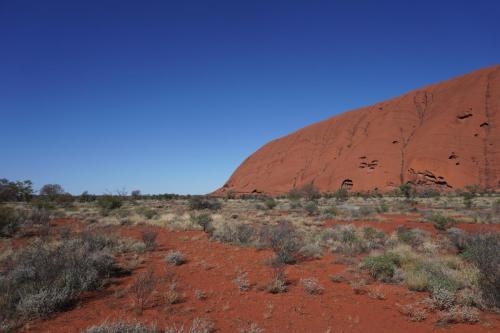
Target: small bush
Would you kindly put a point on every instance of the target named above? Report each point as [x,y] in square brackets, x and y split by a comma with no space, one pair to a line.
[308,192]
[149,239]
[148,213]
[270,203]
[442,222]
[10,221]
[330,212]
[285,242]
[458,238]
[365,211]
[459,314]
[483,251]
[416,280]
[204,221]
[312,286]
[109,202]
[46,278]
[311,251]
[234,233]
[143,288]
[443,298]
[383,207]
[173,296]
[407,190]
[278,282]
[341,194]
[244,233]
[412,237]
[349,240]
[200,203]
[38,217]
[175,258]
[121,327]
[311,208]
[382,267]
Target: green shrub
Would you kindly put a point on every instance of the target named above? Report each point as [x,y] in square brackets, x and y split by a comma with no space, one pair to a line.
[15,191]
[308,192]
[442,222]
[200,203]
[10,220]
[407,190]
[383,207]
[270,203]
[413,237]
[341,194]
[374,235]
[483,250]
[311,208]
[86,197]
[109,202]
[330,211]
[365,211]
[382,267]
[148,213]
[204,221]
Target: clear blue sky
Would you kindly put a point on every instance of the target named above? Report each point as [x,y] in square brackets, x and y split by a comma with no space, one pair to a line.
[171,96]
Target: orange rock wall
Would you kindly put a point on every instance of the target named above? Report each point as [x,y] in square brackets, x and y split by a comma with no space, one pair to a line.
[443,136]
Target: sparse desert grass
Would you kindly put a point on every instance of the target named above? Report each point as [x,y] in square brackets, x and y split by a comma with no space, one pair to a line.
[278,283]
[311,251]
[456,269]
[251,328]
[199,325]
[121,327]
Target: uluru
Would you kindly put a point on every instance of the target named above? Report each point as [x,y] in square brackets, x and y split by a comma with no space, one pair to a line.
[444,136]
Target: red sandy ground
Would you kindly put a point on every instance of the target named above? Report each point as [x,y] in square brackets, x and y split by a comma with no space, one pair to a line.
[211,267]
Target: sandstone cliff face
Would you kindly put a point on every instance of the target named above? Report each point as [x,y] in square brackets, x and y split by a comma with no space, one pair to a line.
[443,136]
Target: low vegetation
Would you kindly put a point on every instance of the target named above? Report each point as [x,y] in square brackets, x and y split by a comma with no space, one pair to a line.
[44,277]
[453,273]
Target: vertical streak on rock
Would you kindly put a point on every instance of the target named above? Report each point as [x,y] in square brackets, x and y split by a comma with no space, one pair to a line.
[487,175]
[421,100]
